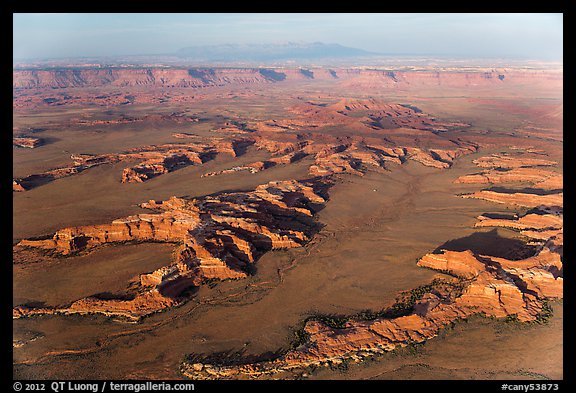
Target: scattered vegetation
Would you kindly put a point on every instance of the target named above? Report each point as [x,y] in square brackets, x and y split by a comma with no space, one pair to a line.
[301,337]
[545,314]
[413,348]
[403,306]
[512,318]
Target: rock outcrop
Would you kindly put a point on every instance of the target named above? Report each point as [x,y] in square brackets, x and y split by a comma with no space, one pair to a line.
[361,114]
[519,198]
[27,142]
[554,182]
[542,228]
[175,77]
[329,155]
[519,174]
[16,186]
[481,284]
[529,221]
[354,156]
[509,162]
[154,160]
[489,286]
[218,237]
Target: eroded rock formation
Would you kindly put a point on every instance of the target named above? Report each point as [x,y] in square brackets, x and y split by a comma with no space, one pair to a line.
[481,284]
[519,198]
[509,162]
[517,168]
[218,237]
[28,142]
[485,285]
[154,160]
[16,186]
[372,114]
[542,228]
[520,174]
[355,156]
[329,155]
[208,77]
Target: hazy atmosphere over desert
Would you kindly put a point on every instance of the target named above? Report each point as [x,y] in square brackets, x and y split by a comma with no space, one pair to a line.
[288,197]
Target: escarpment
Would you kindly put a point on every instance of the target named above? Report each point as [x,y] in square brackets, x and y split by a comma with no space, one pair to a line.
[179,77]
[396,164]
[546,186]
[154,160]
[478,284]
[217,237]
[27,142]
[484,285]
[328,155]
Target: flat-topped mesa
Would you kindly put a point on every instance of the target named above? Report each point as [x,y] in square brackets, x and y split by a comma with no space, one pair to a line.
[529,149]
[509,162]
[361,114]
[461,264]
[168,157]
[543,229]
[555,182]
[486,285]
[155,160]
[350,105]
[528,221]
[439,158]
[27,142]
[519,174]
[80,162]
[357,156]
[543,270]
[352,157]
[184,135]
[540,274]
[158,166]
[219,237]
[233,128]
[174,78]
[165,227]
[278,147]
[519,198]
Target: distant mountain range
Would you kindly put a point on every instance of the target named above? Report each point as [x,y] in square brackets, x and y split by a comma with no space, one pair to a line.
[270,52]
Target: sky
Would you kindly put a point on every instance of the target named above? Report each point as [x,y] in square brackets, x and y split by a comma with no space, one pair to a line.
[531,36]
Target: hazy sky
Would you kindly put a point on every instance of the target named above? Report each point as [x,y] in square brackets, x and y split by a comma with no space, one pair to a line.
[535,36]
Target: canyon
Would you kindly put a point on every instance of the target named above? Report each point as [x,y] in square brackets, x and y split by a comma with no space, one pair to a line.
[286,222]
[331,155]
[217,237]
[480,284]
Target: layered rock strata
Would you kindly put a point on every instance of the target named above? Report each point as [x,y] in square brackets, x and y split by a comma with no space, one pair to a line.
[542,228]
[175,77]
[27,142]
[509,162]
[545,179]
[367,114]
[218,237]
[329,156]
[517,168]
[154,160]
[352,157]
[486,285]
[519,198]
